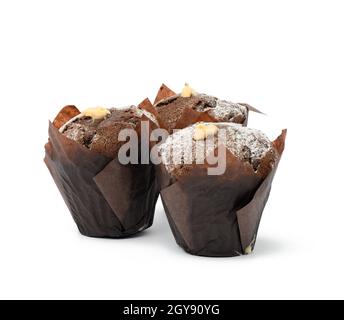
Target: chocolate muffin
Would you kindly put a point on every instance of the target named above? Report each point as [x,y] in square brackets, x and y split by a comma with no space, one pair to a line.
[105,197]
[100,134]
[248,145]
[178,111]
[217,215]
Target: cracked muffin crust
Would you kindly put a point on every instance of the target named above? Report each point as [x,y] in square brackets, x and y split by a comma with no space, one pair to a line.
[171,110]
[101,135]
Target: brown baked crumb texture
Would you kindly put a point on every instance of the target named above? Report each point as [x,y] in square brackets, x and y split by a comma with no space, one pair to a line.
[170,111]
[102,135]
[177,112]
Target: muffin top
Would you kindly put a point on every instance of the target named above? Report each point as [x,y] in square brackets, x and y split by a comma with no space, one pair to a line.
[185,146]
[170,110]
[100,134]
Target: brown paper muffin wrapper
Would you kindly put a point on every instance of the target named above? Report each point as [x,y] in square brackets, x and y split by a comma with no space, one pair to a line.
[106,199]
[191,116]
[218,216]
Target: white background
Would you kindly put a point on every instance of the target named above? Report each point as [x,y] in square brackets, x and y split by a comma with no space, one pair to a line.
[284,57]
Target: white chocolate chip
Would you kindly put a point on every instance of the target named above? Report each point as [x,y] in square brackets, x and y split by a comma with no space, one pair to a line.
[248,250]
[187,91]
[199,133]
[96,113]
[203,131]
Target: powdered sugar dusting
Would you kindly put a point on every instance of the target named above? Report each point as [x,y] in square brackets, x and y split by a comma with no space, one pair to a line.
[247,144]
[226,110]
[223,110]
